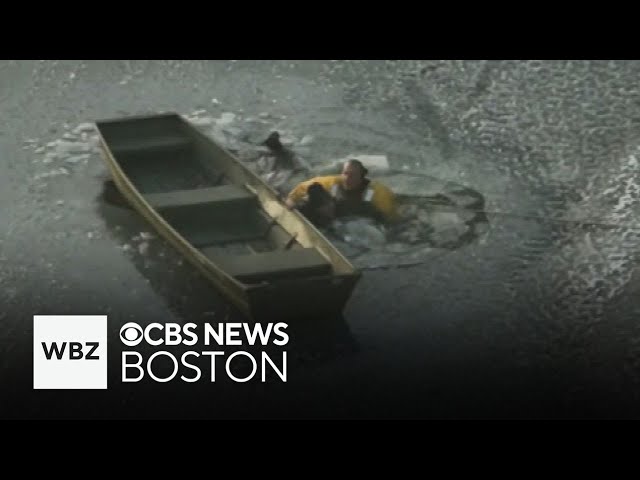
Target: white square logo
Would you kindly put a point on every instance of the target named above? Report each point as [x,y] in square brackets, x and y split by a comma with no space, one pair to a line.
[70,352]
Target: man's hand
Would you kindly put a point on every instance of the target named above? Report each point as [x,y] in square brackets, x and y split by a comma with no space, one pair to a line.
[290,204]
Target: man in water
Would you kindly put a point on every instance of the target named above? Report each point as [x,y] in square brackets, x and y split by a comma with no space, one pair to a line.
[353,194]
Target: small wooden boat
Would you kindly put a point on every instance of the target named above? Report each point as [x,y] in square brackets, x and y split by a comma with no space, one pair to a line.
[267,260]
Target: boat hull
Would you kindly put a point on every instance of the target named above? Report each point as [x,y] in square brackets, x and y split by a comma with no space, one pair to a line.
[314,295]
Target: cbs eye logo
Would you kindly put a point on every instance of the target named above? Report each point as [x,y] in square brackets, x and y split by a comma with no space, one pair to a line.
[131,334]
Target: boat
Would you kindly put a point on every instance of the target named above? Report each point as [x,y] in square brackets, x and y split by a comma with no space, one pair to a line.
[270,262]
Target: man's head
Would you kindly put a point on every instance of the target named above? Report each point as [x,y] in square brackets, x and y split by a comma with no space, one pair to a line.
[353,174]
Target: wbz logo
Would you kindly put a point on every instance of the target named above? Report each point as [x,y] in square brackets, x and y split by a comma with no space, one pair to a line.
[70,352]
[75,350]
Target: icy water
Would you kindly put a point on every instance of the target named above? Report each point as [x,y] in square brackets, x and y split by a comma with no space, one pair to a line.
[533,315]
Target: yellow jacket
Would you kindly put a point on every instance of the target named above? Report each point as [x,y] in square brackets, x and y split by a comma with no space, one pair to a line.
[380,196]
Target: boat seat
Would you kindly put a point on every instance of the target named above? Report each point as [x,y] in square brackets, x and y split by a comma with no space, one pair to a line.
[232,232]
[271,265]
[223,194]
[148,144]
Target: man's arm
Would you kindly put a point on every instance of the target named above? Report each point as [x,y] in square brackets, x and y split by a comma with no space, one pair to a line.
[299,191]
[385,202]
[297,194]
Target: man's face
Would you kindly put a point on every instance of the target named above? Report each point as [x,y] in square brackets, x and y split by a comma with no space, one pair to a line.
[351,176]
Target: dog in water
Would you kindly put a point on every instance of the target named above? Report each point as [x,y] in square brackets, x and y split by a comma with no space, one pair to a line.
[283,158]
[319,206]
